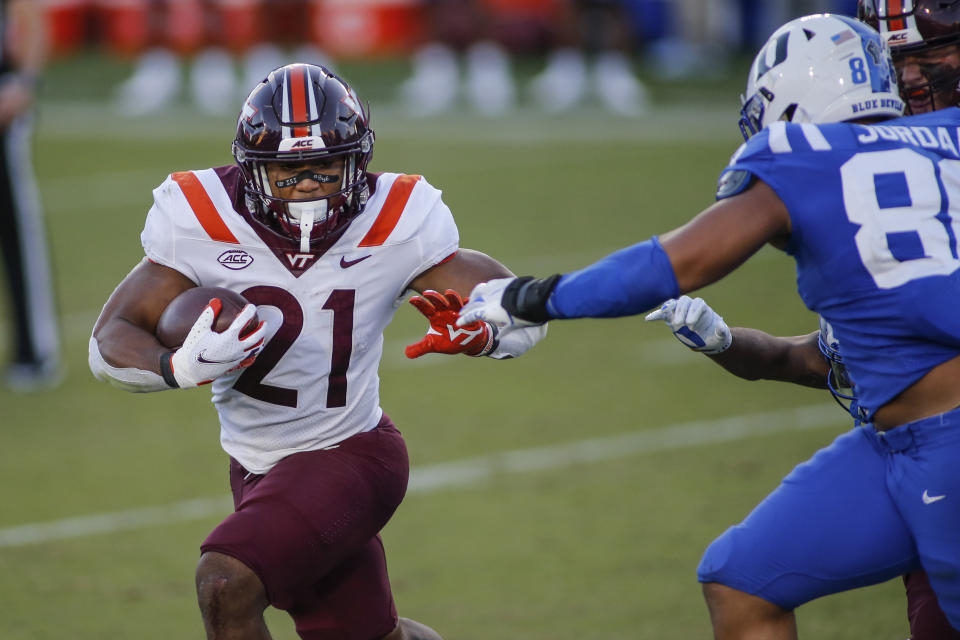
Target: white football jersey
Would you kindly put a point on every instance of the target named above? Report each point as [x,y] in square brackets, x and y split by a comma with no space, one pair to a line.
[315,383]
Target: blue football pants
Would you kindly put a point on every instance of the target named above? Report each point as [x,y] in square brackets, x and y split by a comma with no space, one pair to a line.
[868,508]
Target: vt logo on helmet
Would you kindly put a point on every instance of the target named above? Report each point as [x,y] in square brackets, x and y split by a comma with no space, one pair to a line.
[820,69]
[301,115]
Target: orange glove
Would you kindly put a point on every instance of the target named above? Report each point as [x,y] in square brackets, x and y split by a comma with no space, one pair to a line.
[444,336]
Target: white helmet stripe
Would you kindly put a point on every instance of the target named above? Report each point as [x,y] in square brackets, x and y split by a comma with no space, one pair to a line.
[312,106]
[896,16]
[883,8]
[286,132]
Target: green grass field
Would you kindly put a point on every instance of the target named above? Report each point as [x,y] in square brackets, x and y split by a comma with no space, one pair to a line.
[594,531]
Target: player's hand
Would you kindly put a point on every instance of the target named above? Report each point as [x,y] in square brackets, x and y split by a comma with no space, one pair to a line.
[206,355]
[695,324]
[444,336]
[499,302]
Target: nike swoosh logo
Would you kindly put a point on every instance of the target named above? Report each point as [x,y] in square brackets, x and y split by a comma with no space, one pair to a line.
[929,499]
[203,360]
[346,264]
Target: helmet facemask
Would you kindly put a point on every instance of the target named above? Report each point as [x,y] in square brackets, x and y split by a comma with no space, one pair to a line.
[941,79]
[838,379]
[752,111]
[304,116]
[926,33]
[308,220]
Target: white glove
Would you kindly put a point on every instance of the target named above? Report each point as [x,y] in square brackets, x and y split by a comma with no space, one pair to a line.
[207,355]
[695,324]
[514,342]
[486,305]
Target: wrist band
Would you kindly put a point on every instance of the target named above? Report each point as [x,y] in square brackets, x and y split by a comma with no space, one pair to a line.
[493,341]
[166,369]
[526,297]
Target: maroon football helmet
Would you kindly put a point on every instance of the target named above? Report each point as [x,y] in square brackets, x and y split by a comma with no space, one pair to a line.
[303,112]
[927,28]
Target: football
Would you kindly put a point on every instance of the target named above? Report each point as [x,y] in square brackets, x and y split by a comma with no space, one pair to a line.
[180,315]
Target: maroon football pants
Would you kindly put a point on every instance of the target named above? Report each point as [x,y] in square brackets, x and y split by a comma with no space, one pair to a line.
[309,529]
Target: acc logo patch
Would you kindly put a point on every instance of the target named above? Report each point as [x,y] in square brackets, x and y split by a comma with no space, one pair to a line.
[732,182]
[235,259]
[301,144]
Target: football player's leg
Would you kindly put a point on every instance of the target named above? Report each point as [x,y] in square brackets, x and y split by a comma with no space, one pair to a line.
[35,344]
[355,596]
[739,615]
[927,620]
[231,598]
[301,529]
[830,526]
[925,480]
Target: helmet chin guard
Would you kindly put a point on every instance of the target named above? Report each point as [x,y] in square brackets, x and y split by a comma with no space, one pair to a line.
[303,113]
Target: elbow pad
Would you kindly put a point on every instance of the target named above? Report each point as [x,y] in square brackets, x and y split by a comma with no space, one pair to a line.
[515,342]
[128,379]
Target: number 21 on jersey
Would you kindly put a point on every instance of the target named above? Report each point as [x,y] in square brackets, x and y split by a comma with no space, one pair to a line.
[340,303]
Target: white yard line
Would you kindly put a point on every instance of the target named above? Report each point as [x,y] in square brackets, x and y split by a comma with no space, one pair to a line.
[467,471]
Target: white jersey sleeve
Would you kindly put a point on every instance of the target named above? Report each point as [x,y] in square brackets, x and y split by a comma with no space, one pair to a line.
[427,223]
[164,227]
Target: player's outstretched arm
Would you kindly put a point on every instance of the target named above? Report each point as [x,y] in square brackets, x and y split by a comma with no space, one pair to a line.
[755,355]
[460,273]
[635,279]
[748,353]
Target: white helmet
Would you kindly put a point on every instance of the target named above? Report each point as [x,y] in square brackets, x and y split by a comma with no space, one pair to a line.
[820,68]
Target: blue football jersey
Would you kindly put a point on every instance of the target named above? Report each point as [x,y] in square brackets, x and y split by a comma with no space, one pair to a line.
[875,214]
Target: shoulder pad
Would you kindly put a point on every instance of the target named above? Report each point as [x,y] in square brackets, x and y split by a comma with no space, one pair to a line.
[732,182]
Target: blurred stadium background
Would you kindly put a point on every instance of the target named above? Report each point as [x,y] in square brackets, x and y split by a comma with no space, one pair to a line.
[567,494]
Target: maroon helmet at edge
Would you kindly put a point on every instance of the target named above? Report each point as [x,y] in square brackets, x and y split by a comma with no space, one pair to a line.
[303,112]
[925,28]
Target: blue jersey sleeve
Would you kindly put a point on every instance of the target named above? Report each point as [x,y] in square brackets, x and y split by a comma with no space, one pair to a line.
[624,283]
